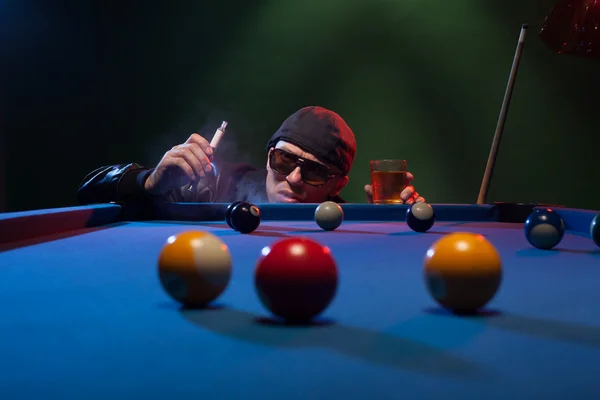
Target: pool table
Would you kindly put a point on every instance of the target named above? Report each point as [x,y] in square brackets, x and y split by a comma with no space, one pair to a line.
[84,314]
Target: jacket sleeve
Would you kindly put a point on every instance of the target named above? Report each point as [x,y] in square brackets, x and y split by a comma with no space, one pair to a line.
[116,183]
[124,183]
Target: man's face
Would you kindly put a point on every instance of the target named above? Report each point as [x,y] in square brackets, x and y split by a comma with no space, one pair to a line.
[290,188]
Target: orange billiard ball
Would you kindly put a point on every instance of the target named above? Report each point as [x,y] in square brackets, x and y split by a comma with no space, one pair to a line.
[463,272]
[194,268]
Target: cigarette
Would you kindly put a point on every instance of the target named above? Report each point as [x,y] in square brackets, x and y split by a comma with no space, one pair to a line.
[214,143]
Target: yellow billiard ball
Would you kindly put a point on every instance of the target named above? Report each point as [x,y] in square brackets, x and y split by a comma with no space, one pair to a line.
[194,268]
[463,272]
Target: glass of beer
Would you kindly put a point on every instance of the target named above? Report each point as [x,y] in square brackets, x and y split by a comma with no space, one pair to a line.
[388,178]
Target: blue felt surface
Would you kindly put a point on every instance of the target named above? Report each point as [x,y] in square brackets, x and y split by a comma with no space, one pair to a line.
[24,225]
[85,317]
[100,209]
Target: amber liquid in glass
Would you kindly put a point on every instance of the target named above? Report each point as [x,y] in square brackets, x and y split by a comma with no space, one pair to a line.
[387,186]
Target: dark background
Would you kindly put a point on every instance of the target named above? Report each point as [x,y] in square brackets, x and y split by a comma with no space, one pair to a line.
[92,83]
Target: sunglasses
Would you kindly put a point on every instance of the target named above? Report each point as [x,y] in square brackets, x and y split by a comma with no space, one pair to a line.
[312,172]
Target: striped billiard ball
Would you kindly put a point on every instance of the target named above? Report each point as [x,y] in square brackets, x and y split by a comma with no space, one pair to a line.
[194,268]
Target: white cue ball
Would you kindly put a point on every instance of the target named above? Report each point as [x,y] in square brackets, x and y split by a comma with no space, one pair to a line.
[329,215]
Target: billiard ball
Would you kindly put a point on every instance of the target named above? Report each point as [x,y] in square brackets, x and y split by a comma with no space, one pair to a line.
[296,279]
[544,228]
[228,213]
[462,272]
[194,268]
[245,217]
[595,230]
[329,215]
[420,217]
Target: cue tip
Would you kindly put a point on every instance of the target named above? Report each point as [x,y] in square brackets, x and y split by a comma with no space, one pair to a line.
[525,26]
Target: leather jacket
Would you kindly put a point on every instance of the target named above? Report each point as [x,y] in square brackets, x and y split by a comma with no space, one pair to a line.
[124,183]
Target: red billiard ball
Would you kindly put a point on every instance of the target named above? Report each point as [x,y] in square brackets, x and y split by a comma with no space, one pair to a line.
[296,279]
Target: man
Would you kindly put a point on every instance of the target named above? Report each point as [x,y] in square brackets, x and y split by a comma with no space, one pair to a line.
[308,161]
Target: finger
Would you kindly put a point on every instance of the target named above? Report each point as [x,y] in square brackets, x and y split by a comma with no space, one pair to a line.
[408,178]
[186,155]
[407,193]
[183,166]
[369,193]
[420,200]
[415,196]
[200,141]
[200,155]
[410,201]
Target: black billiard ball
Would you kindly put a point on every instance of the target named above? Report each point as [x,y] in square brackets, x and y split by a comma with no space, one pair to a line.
[544,228]
[228,213]
[420,217]
[245,217]
[595,230]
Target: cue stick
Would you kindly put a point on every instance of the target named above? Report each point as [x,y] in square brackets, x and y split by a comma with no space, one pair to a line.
[489,169]
[214,143]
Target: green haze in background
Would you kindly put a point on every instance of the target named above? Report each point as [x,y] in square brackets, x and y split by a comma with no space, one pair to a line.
[423,81]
